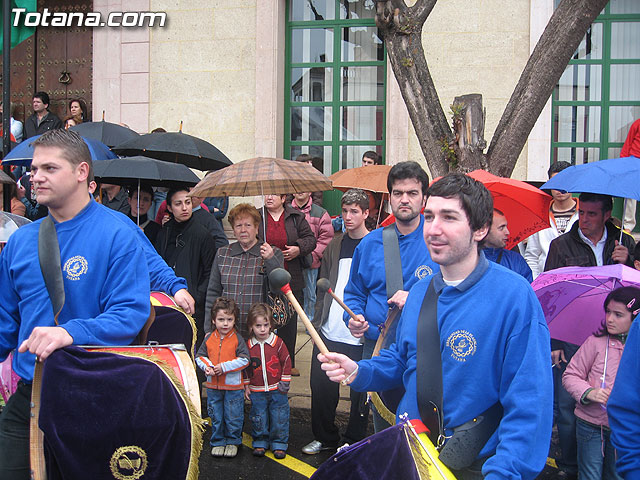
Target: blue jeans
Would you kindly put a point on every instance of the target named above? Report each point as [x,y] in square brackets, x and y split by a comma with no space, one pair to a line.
[309,292]
[270,420]
[226,410]
[592,441]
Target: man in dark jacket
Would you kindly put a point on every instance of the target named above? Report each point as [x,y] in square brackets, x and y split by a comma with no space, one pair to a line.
[593,240]
[42,119]
[210,222]
[189,249]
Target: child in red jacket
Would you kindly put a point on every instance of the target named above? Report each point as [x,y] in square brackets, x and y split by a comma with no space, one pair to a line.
[223,355]
[267,383]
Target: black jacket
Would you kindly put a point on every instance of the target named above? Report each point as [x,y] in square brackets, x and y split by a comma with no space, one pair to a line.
[298,233]
[569,250]
[213,226]
[31,127]
[191,256]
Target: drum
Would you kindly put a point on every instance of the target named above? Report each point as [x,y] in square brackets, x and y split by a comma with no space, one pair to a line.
[401,451]
[99,412]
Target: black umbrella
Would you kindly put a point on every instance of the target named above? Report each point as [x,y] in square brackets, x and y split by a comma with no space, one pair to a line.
[176,147]
[106,132]
[130,170]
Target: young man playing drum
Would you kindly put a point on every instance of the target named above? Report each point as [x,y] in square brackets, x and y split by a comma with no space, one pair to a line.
[104,272]
[493,338]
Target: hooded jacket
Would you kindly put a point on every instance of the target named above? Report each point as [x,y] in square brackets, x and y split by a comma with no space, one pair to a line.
[320,222]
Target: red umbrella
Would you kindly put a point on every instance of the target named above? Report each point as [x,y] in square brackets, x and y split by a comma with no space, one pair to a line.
[525,207]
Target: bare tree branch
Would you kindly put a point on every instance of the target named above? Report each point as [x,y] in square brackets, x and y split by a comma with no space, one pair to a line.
[422,9]
[548,61]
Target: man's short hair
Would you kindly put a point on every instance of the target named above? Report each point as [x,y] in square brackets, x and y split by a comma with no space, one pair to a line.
[304,157]
[43,96]
[171,193]
[372,155]
[408,170]
[605,201]
[355,196]
[474,197]
[557,167]
[244,210]
[73,148]
[499,212]
[143,188]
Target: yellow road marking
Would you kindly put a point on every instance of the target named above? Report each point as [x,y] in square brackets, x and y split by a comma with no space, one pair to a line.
[290,462]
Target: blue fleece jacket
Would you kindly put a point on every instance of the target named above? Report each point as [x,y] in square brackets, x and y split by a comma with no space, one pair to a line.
[511,260]
[105,277]
[623,408]
[495,347]
[366,291]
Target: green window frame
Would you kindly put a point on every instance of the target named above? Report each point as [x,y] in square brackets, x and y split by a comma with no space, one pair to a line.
[590,109]
[333,67]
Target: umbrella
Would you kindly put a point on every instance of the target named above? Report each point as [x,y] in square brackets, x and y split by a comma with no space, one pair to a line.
[572,298]
[176,147]
[4,178]
[525,207]
[23,153]
[617,177]
[372,178]
[110,134]
[9,223]
[130,170]
[261,176]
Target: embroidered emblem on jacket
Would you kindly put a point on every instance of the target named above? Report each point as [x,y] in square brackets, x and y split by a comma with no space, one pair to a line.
[462,345]
[75,267]
[423,271]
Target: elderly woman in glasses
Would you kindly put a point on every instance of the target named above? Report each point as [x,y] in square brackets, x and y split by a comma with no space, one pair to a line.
[189,249]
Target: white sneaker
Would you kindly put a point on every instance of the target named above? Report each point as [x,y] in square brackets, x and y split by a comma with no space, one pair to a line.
[230,451]
[217,451]
[315,447]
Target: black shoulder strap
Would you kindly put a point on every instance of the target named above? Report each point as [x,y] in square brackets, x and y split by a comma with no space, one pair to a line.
[429,365]
[49,256]
[392,261]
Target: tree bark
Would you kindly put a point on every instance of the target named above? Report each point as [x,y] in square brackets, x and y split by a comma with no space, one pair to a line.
[468,126]
[401,27]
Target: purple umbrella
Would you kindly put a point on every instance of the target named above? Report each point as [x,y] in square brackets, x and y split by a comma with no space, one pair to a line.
[572,298]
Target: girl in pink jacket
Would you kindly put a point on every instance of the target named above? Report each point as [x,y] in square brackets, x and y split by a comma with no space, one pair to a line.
[589,378]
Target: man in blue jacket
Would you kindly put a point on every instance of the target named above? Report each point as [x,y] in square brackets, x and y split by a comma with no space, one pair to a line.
[495,250]
[366,291]
[494,342]
[105,277]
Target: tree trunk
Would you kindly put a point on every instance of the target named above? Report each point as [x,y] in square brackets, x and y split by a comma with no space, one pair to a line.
[468,125]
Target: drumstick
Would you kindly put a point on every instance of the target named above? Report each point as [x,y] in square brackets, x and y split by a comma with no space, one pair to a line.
[325,286]
[279,280]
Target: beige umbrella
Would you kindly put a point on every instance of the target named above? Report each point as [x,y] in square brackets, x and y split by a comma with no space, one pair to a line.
[262,176]
[372,178]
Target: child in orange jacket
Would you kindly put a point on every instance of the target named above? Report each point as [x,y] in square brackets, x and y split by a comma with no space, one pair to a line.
[223,355]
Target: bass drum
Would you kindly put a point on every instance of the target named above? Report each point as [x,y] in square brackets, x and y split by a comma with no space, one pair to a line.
[99,412]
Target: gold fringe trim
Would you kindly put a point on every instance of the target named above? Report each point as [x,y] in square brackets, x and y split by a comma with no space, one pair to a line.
[197,423]
[382,409]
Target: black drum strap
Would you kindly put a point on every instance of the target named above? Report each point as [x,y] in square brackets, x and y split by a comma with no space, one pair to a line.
[392,260]
[49,256]
[429,365]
